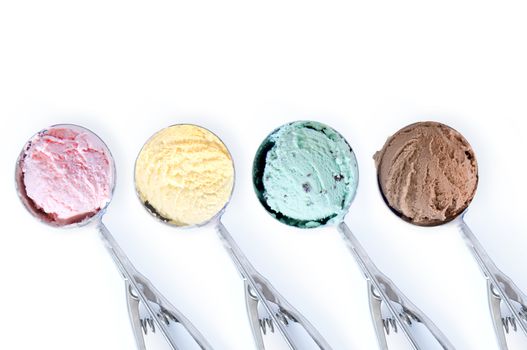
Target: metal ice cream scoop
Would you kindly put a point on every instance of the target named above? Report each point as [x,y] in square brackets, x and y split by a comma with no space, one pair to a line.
[305,165]
[168,189]
[427,146]
[142,296]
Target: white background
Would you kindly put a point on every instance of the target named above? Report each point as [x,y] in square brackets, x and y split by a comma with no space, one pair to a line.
[126,69]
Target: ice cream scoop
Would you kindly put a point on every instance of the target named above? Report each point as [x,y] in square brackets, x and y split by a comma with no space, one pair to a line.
[184,176]
[305,174]
[65,176]
[428,175]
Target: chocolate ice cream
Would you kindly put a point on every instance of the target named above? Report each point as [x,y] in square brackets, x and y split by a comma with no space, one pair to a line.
[427,173]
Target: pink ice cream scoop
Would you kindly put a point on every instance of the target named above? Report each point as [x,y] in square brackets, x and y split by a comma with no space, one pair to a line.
[65,174]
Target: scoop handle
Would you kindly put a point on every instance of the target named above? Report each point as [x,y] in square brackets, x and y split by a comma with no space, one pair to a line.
[388,293]
[154,302]
[260,290]
[500,284]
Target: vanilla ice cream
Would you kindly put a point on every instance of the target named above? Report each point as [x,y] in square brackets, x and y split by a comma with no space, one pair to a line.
[184,175]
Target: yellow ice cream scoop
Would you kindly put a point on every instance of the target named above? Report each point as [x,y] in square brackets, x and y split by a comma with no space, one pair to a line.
[184,175]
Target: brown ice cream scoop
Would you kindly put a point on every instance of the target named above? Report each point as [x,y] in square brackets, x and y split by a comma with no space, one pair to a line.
[427,173]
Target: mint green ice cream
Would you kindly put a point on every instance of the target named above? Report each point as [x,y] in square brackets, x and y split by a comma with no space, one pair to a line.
[305,174]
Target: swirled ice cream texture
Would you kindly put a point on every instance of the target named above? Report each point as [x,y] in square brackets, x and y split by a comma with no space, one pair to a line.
[427,172]
[184,175]
[66,174]
[305,174]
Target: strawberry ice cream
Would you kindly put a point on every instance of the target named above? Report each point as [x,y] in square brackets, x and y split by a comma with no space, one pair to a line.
[65,174]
